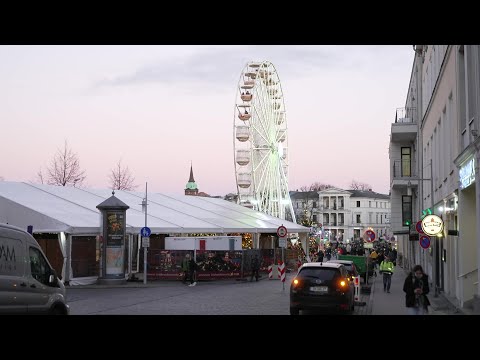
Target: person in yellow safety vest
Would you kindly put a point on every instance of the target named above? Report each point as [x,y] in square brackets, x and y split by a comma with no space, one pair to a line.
[373,257]
[386,268]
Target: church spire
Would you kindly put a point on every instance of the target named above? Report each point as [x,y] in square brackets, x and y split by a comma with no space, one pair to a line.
[191,173]
[191,188]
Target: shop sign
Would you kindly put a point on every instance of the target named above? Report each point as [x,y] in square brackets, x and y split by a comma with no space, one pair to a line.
[432,225]
[467,174]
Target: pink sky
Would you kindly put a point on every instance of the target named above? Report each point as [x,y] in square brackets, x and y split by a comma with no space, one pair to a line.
[157,108]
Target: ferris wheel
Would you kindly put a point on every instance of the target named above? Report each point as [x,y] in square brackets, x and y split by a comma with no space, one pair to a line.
[261,142]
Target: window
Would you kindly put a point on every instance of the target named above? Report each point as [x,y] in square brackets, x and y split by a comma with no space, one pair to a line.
[369,204]
[358,219]
[358,203]
[39,266]
[406,158]
[406,210]
[324,274]
[314,204]
[314,218]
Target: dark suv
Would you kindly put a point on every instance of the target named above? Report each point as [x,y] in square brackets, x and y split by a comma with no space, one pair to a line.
[322,286]
[349,265]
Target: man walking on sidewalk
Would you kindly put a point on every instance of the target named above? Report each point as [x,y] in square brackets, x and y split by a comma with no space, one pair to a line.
[386,268]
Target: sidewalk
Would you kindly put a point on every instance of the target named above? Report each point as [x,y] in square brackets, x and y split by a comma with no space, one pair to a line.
[393,303]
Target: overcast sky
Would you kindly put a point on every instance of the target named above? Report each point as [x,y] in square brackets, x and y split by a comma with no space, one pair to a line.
[158,108]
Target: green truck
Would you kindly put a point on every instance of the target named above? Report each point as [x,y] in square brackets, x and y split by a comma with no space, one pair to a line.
[360,262]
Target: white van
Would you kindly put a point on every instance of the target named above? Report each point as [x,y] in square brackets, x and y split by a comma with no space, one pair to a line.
[28,283]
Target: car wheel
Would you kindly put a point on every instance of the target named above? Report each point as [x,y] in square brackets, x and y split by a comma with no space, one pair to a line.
[294,311]
[57,310]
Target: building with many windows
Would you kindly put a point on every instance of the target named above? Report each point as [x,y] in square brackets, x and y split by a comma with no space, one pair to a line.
[434,154]
[343,214]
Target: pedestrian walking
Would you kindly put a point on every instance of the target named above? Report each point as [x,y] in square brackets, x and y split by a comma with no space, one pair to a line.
[416,289]
[189,266]
[255,266]
[320,255]
[386,268]
[192,270]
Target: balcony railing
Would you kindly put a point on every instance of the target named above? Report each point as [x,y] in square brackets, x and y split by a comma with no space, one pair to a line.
[404,169]
[405,115]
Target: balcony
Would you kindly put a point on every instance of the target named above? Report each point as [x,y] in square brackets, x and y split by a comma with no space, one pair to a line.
[405,127]
[403,172]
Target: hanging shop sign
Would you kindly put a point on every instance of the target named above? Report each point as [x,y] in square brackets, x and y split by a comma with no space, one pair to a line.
[432,225]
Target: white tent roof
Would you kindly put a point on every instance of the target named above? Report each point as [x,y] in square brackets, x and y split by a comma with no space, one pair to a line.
[73,210]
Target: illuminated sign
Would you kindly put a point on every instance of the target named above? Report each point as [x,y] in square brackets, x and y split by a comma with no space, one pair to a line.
[467,174]
[432,225]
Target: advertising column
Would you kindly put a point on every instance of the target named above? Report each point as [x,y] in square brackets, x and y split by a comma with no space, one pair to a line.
[113,219]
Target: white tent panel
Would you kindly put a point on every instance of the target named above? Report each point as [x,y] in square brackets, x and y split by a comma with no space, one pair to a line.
[172,218]
[185,205]
[53,207]
[243,213]
[21,216]
[73,210]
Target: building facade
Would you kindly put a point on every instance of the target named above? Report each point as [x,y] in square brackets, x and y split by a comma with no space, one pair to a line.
[343,214]
[434,168]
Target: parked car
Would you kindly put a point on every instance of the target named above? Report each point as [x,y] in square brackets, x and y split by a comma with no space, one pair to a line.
[349,265]
[28,283]
[322,286]
[361,263]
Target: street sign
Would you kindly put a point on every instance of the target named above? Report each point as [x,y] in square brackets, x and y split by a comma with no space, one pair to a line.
[282,231]
[145,242]
[282,242]
[145,231]
[370,235]
[418,227]
[424,241]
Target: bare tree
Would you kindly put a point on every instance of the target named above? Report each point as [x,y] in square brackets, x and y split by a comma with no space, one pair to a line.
[121,178]
[316,186]
[40,178]
[357,185]
[64,169]
[308,203]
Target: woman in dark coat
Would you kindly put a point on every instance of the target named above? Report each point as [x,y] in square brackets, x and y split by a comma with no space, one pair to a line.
[416,289]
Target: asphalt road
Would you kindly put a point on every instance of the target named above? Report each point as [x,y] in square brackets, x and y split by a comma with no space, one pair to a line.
[265,297]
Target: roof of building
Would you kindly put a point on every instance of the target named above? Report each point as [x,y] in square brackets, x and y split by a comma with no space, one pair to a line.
[303,194]
[368,194]
[355,193]
[51,208]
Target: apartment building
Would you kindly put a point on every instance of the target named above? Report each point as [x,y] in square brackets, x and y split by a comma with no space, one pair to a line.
[434,153]
[344,214]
